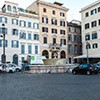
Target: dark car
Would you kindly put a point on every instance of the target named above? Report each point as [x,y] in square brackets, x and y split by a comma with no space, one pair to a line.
[85,69]
[97,65]
[26,66]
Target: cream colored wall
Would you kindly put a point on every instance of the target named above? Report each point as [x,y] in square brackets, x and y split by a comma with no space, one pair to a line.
[58,27]
[90,30]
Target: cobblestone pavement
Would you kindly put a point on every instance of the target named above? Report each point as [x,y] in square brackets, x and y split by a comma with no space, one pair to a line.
[23,86]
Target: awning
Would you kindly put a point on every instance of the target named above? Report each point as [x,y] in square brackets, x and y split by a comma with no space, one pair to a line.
[90,56]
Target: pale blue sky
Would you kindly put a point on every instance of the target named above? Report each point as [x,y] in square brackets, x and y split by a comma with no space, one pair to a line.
[74,6]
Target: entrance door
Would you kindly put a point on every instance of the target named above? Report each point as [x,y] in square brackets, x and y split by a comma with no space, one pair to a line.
[15,59]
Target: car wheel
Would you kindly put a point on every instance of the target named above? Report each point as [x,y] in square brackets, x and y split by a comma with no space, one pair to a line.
[10,71]
[0,71]
[88,73]
[18,70]
[74,72]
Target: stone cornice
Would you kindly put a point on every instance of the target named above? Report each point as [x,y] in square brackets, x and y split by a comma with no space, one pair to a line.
[29,16]
[89,6]
[52,5]
[9,14]
[18,15]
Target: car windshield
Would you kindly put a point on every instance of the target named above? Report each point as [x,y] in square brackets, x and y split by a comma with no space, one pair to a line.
[97,65]
[84,65]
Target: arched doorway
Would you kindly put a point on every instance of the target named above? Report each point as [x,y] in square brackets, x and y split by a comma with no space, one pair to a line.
[63,54]
[45,53]
[15,59]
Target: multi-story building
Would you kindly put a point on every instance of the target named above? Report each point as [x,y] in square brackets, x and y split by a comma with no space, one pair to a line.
[74,40]
[90,16]
[53,28]
[22,33]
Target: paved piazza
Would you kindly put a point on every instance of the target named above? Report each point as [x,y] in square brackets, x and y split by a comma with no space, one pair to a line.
[23,86]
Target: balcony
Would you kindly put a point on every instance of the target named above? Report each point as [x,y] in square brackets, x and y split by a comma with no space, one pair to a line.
[54,47]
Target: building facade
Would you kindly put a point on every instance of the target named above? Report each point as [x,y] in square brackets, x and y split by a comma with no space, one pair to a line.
[53,28]
[74,40]
[90,16]
[21,33]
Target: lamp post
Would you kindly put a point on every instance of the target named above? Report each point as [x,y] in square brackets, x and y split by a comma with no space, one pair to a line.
[3,57]
[87,44]
[87,47]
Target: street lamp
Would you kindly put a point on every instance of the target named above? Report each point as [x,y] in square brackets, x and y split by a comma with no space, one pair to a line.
[3,57]
[87,47]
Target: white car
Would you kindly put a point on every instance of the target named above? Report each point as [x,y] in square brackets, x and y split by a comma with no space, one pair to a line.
[0,67]
[17,68]
[7,68]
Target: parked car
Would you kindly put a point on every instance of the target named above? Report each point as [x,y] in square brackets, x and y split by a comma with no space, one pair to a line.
[97,65]
[0,68]
[18,68]
[85,69]
[26,66]
[7,68]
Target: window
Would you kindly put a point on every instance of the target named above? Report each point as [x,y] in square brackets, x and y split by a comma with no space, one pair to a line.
[22,23]
[63,41]
[14,32]
[70,49]
[94,24]
[22,35]
[98,9]
[95,45]
[6,43]
[22,49]
[3,30]
[22,58]
[62,32]
[62,23]
[53,12]
[15,44]
[54,30]
[36,37]
[79,38]
[44,20]
[94,11]
[9,8]
[44,9]
[29,49]
[87,37]
[87,26]
[3,20]
[44,29]
[54,40]
[75,38]
[14,9]
[45,40]
[86,14]
[29,36]
[69,29]
[94,35]
[69,38]
[54,21]
[35,25]
[15,21]
[76,49]
[75,30]
[99,22]
[29,24]
[36,49]
[0,43]
[62,14]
